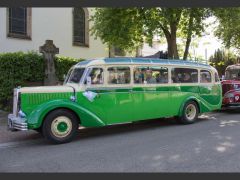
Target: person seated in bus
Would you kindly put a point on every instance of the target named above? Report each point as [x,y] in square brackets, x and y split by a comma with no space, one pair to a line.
[112,79]
[149,78]
[175,78]
[187,78]
[137,76]
[98,79]
[126,78]
[204,78]
[160,78]
[165,77]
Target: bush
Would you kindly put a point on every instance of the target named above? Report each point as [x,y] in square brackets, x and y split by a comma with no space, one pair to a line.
[22,69]
[63,64]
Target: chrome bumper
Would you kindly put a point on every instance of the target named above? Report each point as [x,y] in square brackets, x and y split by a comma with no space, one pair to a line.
[17,123]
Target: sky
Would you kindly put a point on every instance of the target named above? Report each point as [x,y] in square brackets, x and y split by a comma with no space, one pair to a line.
[206,45]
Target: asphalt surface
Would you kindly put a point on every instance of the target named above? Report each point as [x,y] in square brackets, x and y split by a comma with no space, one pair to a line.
[212,144]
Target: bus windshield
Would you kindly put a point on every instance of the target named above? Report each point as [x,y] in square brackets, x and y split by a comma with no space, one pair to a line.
[76,75]
[232,74]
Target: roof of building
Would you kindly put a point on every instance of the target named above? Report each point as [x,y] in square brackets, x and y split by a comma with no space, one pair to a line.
[127,60]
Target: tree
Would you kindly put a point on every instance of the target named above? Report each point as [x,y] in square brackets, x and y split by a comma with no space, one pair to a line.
[228,29]
[127,28]
[118,27]
[221,59]
[193,25]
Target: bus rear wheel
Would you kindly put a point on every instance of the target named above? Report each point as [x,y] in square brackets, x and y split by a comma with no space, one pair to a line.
[60,126]
[190,113]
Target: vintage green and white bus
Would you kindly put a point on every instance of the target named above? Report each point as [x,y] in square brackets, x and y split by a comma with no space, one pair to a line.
[109,91]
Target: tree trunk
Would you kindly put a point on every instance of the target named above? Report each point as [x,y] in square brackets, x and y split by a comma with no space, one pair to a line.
[171,41]
[189,36]
[111,51]
[186,52]
[138,51]
[173,27]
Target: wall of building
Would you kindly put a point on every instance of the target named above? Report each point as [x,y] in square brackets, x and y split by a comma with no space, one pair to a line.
[55,24]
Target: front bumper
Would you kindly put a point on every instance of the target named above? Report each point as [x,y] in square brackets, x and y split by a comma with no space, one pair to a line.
[17,123]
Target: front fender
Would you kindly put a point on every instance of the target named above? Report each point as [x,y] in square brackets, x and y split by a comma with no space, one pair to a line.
[87,118]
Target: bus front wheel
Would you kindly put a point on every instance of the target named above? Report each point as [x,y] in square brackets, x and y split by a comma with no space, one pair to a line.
[60,126]
[189,114]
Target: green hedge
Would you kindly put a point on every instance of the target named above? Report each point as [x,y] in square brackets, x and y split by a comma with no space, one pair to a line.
[24,69]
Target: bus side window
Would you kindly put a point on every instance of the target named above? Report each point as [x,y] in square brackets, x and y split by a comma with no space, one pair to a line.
[151,75]
[96,76]
[205,76]
[119,75]
[184,75]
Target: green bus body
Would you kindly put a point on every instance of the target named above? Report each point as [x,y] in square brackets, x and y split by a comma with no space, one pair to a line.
[122,103]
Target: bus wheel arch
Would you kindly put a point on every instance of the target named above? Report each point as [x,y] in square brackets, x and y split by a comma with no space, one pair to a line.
[189,111]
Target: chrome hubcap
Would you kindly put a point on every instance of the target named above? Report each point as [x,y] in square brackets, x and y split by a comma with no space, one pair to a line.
[61,126]
[190,112]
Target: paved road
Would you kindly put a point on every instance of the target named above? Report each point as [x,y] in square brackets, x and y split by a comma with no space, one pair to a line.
[210,145]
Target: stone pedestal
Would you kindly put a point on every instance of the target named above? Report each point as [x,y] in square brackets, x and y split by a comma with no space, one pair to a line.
[49,50]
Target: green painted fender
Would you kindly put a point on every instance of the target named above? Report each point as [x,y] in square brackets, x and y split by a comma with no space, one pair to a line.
[87,118]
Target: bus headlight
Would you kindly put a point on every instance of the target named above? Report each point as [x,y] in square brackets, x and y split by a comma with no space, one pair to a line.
[236,98]
[21,114]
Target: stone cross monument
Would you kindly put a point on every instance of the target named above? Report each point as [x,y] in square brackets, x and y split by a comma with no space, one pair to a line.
[49,50]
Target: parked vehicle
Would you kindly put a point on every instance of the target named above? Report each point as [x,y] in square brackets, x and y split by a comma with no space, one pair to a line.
[231,86]
[109,91]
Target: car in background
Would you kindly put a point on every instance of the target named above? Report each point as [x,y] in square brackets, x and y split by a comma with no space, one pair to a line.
[231,86]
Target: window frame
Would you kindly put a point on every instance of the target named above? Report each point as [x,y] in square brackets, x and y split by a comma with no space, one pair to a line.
[28,34]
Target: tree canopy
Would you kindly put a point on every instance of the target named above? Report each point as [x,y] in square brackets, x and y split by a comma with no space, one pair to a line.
[128,27]
[229,26]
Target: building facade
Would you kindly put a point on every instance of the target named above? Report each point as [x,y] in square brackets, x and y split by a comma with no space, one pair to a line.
[25,29]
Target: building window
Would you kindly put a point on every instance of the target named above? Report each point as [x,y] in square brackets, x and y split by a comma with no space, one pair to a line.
[80,27]
[19,23]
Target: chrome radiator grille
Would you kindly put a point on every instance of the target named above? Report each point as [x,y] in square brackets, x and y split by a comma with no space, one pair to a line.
[15,101]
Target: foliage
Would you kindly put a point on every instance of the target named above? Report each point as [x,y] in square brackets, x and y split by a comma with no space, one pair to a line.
[229,26]
[221,59]
[22,69]
[63,64]
[122,27]
[128,27]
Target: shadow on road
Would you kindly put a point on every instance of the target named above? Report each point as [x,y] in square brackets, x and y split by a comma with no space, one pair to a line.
[85,133]
[144,125]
